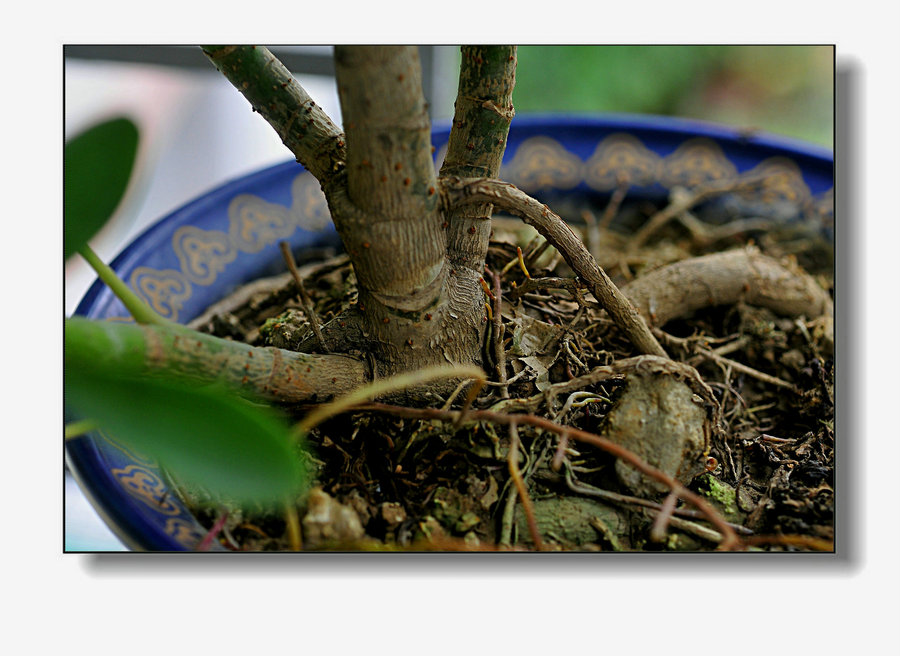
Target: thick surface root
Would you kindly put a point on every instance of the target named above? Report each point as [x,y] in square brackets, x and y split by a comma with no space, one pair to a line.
[679,290]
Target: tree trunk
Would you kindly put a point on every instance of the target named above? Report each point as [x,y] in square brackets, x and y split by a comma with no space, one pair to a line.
[418,268]
[386,207]
[419,259]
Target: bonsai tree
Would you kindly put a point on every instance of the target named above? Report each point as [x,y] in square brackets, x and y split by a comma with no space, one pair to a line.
[418,240]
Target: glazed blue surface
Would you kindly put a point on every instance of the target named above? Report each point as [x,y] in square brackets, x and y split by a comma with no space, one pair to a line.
[203,251]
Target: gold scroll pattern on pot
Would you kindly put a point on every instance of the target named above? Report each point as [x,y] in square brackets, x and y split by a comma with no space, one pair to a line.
[142,479]
[252,224]
[539,163]
[542,163]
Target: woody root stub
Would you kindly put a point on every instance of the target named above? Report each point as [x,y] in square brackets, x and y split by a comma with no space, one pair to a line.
[661,418]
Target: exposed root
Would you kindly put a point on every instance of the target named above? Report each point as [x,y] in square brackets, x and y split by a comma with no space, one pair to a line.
[670,292]
[576,348]
[746,275]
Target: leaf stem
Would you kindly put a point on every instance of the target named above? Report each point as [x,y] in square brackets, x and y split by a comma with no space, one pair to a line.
[79,428]
[138,308]
[294,532]
[385,385]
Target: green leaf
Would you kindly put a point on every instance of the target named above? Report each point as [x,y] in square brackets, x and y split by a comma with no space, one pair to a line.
[97,167]
[206,436]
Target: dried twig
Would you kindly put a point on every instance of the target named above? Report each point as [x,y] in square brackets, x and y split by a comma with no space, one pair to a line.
[750,371]
[704,234]
[715,356]
[512,462]
[207,540]
[684,199]
[800,541]
[572,285]
[615,202]
[560,453]
[591,234]
[626,500]
[305,300]
[498,330]
[661,523]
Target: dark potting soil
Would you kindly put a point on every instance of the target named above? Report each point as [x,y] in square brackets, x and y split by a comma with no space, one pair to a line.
[382,482]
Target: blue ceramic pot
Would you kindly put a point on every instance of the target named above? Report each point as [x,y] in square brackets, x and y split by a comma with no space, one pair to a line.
[203,251]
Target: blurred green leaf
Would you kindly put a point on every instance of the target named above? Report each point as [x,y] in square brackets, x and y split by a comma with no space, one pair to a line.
[635,79]
[206,436]
[97,167]
[781,89]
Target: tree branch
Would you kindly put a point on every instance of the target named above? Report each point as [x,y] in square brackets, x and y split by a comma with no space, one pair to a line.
[389,162]
[303,126]
[263,373]
[483,111]
[457,192]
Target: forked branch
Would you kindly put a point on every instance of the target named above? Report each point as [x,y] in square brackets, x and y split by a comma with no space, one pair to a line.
[464,191]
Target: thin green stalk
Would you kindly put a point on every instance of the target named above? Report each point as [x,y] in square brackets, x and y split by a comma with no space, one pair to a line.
[292,519]
[138,308]
[386,385]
